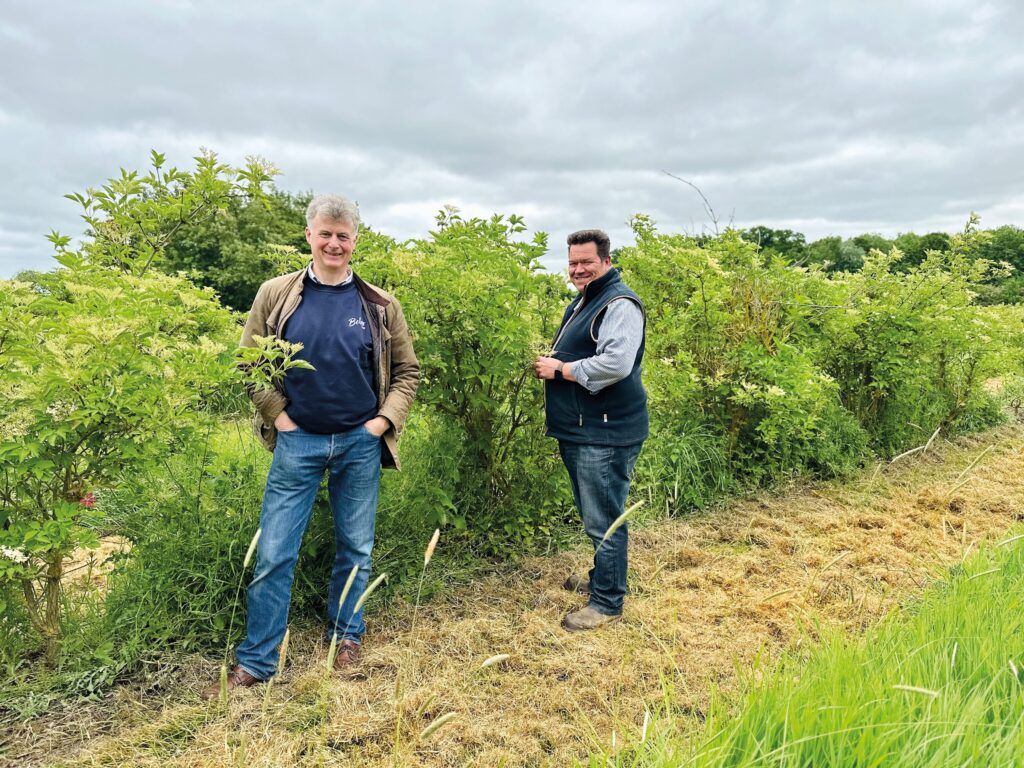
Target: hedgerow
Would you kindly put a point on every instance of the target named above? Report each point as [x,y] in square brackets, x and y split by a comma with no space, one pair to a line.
[758,370]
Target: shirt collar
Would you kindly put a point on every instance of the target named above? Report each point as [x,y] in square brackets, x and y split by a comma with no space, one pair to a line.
[315,279]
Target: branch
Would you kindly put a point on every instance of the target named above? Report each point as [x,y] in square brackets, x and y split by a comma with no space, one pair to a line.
[707,205]
[32,601]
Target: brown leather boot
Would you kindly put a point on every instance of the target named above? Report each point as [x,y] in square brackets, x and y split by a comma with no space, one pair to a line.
[347,659]
[587,618]
[237,678]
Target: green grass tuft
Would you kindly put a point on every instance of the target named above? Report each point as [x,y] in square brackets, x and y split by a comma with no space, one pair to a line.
[937,684]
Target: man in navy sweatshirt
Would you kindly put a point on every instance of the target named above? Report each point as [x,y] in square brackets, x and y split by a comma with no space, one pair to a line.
[342,418]
[596,407]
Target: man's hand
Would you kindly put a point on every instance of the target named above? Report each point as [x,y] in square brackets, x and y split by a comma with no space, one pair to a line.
[545,367]
[377,426]
[284,423]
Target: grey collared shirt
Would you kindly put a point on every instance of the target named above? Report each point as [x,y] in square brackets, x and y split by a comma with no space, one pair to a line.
[618,340]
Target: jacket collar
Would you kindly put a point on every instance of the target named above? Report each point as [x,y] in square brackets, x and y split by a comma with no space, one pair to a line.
[318,281]
[369,293]
[591,289]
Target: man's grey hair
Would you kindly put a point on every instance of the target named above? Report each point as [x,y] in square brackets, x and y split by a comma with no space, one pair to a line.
[595,236]
[334,208]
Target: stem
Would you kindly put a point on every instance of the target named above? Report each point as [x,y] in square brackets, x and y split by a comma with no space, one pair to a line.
[396,754]
[51,604]
[32,600]
[202,469]
[238,591]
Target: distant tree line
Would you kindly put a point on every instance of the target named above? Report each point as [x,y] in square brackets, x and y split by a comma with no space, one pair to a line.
[834,254]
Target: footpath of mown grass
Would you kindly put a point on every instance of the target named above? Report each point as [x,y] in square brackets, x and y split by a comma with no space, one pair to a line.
[940,683]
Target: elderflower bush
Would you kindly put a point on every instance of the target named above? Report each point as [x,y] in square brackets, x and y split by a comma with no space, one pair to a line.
[96,382]
[106,366]
[480,308]
[910,351]
[769,368]
[728,367]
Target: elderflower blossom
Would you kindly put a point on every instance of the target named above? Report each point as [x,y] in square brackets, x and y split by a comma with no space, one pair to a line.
[105,334]
[209,348]
[12,430]
[60,410]
[10,553]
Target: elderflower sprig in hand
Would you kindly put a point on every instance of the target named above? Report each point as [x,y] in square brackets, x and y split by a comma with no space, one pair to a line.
[264,365]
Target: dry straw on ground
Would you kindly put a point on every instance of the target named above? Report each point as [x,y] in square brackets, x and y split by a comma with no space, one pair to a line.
[708,595]
[93,565]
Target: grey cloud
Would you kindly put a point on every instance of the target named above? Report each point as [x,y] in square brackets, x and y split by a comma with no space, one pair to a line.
[835,117]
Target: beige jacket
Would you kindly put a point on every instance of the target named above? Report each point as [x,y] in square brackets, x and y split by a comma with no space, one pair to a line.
[397,370]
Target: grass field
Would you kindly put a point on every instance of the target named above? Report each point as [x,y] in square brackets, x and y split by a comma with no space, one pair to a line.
[716,603]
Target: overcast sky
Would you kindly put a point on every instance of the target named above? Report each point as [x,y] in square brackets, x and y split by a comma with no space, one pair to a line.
[827,118]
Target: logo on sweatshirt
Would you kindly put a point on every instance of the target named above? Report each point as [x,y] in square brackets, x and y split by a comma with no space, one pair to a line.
[354,321]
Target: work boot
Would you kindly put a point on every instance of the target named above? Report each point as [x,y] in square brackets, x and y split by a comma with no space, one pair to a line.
[577,584]
[587,618]
[237,678]
[347,658]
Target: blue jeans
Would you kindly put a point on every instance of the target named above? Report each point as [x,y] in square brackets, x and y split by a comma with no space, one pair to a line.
[600,483]
[352,460]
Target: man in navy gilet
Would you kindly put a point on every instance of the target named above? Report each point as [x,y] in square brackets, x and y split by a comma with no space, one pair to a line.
[596,407]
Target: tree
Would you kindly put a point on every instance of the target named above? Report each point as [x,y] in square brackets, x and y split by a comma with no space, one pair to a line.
[849,259]
[482,308]
[1004,244]
[915,248]
[834,254]
[872,241]
[785,242]
[824,252]
[239,247]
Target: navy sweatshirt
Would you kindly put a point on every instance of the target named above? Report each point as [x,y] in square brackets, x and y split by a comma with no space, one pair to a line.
[332,326]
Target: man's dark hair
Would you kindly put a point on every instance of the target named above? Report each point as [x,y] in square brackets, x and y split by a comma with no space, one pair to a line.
[595,236]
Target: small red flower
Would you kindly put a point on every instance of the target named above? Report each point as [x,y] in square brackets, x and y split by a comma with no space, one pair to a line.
[88,500]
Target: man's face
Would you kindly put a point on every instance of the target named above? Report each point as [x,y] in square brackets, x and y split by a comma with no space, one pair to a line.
[331,242]
[585,265]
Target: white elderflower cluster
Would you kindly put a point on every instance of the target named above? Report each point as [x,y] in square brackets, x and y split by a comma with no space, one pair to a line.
[210,348]
[14,426]
[9,553]
[60,410]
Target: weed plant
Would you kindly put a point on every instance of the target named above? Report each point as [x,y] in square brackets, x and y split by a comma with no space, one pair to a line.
[189,523]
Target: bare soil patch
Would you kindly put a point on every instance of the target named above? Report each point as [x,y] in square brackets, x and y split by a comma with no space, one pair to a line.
[709,595]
